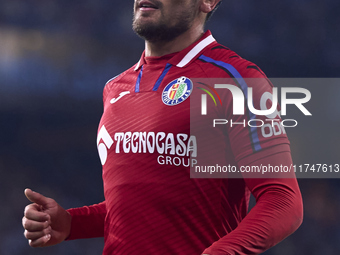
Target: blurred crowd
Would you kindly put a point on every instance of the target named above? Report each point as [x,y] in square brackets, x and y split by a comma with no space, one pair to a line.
[56,56]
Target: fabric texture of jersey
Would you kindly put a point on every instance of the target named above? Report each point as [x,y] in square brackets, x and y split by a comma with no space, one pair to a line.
[146,147]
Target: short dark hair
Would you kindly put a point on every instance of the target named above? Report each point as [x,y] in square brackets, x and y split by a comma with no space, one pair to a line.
[212,12]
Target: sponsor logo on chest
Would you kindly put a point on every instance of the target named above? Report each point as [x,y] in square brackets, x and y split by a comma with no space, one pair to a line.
[170,147]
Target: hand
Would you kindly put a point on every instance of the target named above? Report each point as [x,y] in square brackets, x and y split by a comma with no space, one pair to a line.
[45,222]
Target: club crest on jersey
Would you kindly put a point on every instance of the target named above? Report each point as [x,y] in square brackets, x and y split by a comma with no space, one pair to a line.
[177,91]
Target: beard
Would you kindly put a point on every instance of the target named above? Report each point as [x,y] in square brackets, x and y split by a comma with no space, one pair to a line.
[164,30]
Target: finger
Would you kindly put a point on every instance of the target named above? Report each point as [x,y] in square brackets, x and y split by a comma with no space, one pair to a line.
[33,226]
[32,212]
[36,235]
[36,197]
[40,241]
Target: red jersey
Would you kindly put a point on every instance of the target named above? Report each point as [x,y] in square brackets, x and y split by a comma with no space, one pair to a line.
[147,148]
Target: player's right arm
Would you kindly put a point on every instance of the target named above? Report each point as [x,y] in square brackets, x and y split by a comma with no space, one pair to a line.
[46,223]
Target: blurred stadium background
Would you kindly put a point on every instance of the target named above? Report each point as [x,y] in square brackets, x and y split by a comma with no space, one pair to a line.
[56,56]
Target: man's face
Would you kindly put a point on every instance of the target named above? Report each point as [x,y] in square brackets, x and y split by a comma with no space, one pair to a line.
[163,20]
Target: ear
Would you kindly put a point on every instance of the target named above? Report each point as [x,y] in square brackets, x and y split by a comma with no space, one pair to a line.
[207,6]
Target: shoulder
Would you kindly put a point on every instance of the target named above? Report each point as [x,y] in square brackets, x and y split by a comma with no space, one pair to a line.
[218,61]
[127,78]
[121,76]
[223,60]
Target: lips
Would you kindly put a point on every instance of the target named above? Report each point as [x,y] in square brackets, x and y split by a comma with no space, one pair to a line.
[147,5]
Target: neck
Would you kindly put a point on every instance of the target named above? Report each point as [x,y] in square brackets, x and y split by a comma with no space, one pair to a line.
[156,49]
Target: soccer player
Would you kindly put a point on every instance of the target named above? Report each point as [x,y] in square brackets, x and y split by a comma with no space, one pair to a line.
[146,147]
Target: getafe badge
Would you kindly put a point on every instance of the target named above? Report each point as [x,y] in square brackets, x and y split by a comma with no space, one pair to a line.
[177,91]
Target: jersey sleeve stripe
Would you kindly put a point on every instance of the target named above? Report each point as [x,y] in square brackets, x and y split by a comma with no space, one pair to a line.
[220,47]
[160,79]
[254,138]
[256,68]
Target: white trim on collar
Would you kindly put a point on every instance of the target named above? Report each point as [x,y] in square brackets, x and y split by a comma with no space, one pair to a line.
[137,66]
[197,49]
